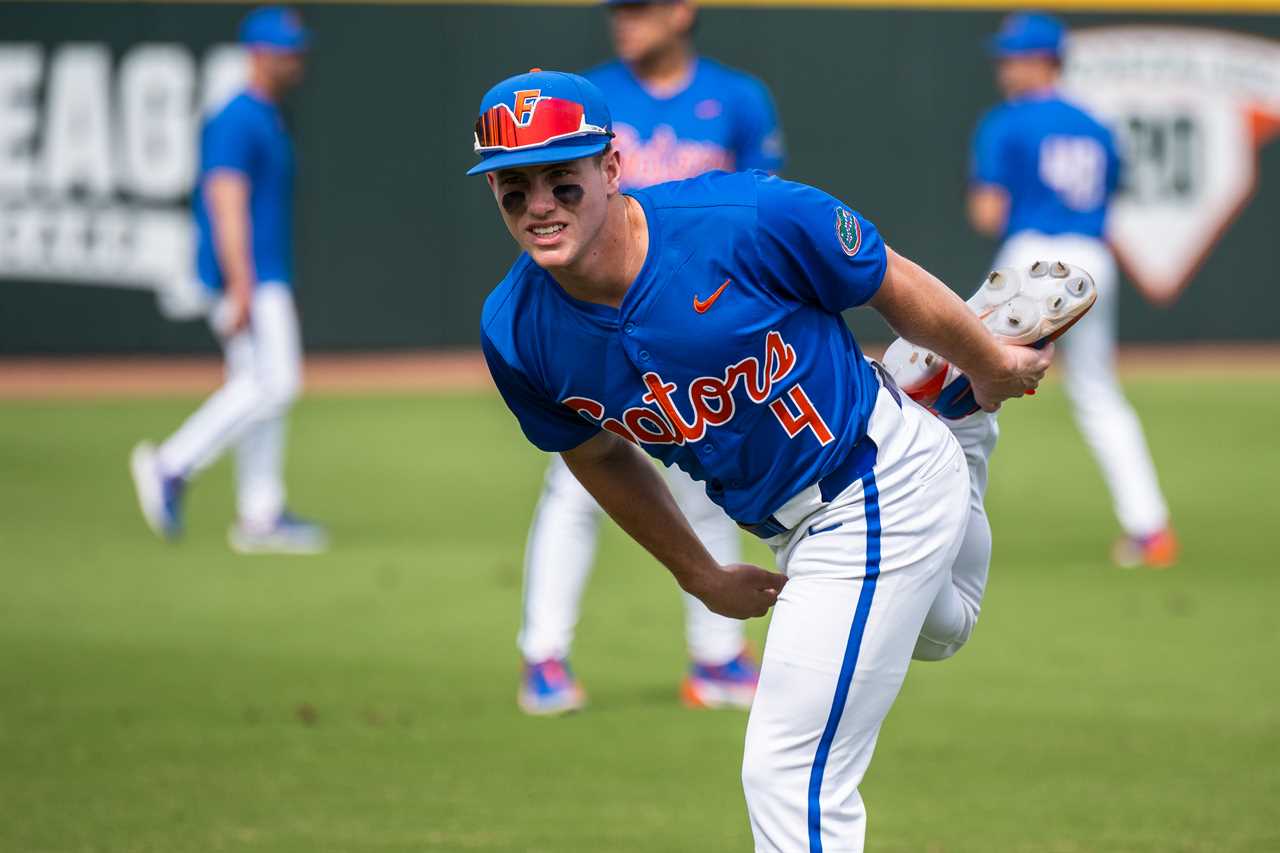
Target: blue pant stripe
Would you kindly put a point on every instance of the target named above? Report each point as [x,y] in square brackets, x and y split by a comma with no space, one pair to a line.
[871,503]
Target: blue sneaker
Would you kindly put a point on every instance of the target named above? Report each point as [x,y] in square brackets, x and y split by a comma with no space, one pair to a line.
[548,688]
[729,685]
[159,496]
[288,534]
[1029,306]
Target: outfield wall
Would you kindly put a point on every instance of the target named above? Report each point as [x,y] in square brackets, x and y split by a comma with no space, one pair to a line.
[397,248]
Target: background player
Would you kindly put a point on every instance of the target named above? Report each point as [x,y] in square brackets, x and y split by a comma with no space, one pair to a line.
[1043,173]
[596,344]
[676,115]
[243,212]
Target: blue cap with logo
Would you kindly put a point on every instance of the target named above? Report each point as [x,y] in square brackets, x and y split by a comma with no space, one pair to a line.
[274,28]
[540,117]
[1024,33]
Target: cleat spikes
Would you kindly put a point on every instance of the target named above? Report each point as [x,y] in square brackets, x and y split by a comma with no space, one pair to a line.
[1059,270]
[1076,287]
[1038,269]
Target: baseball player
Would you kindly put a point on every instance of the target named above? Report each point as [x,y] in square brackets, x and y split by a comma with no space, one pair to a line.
[597,344]
[243,214]
[676,115]
[1043,173]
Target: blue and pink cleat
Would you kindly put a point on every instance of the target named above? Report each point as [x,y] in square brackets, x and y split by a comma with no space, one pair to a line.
[1028,306]
[729,685]
[548,688]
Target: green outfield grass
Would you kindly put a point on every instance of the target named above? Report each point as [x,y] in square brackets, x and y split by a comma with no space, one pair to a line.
[179,698]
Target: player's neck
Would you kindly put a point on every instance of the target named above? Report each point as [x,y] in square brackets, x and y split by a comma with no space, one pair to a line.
[605,272]
[666,72]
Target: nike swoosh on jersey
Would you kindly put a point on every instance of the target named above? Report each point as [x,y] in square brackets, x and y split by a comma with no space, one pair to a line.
[701,306]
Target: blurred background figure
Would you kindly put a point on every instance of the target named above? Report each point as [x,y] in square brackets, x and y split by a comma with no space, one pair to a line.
[1043,173]
[676,115]
[243,212]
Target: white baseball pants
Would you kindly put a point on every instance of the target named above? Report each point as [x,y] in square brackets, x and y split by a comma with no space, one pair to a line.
[561,550]
[263,378]
[894,567]
[1088,352]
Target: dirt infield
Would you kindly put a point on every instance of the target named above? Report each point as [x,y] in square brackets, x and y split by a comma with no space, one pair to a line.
[53,378]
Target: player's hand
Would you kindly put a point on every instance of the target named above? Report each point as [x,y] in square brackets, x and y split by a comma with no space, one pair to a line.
[233,313]
[739,590]
[1020,374]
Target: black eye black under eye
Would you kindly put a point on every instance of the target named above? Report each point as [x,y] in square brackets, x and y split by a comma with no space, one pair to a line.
[568,193]
[513,201]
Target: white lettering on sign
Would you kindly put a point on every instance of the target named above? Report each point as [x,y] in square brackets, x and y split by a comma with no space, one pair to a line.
[97,163]
[20,67]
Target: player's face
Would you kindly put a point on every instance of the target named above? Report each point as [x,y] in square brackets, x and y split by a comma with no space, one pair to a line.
[641,30]
[1017,75]
[285,68]
[554,212]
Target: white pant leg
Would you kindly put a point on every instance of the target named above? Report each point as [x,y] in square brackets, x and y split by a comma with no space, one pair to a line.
[842,635]
[1104,416]
[558,557]
[955,610]
[264,374]
[260,488]
[712,639]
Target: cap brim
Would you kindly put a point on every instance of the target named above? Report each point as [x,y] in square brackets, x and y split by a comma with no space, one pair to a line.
[998,48]
[299,45]
[538,156]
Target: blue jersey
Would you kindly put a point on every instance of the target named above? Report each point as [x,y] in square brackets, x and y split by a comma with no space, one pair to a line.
[728,356]
[724,119]
[248,136]
[1058,165]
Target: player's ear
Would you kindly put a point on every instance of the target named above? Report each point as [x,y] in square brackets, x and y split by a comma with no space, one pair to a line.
[611,166]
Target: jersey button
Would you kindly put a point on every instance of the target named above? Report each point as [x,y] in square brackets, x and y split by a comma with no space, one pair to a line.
[629,328]
[644,355]
[708,449]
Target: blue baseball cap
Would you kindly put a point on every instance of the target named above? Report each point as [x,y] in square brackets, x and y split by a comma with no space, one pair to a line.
[540,117]
[274,28]
[1024,33]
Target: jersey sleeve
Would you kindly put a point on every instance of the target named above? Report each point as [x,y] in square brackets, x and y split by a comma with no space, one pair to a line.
[548,424]
[815,248]
[990,157]
[759,143]
[227,144]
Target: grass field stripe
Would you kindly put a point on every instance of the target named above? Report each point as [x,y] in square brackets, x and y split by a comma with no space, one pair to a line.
[871,504]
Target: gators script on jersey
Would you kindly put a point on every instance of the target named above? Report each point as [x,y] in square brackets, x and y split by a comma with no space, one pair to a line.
[727,357]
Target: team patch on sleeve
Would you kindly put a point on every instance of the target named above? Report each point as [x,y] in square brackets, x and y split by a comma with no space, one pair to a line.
[848,232]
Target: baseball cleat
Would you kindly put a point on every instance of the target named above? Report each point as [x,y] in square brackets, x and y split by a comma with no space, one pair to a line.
[729,685]
[1157,551]
[288,534]
[159,497]
[1028,306]
[548,688]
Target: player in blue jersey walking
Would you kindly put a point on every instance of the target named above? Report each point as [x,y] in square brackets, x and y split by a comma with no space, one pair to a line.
[1044,172]
[676,115]
[700,321]
[243,211]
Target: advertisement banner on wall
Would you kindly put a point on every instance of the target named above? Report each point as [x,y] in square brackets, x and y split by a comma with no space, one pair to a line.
[97,160]
[1190,107]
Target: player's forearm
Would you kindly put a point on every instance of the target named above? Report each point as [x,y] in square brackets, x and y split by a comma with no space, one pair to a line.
[926,312]
[628,487]
[227,195]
